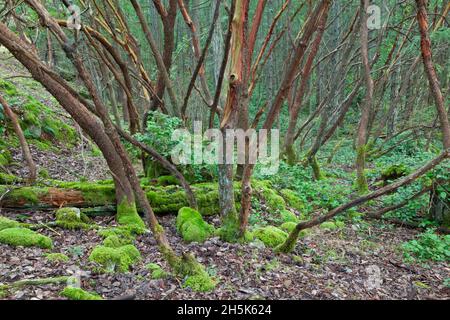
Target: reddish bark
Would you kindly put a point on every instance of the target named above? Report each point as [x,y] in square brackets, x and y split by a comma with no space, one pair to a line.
[425,46]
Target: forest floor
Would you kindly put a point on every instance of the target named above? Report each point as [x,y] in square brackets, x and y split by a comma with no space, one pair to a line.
[363,260]
[326,265]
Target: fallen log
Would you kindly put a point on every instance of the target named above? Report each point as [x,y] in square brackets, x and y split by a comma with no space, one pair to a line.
[99,198]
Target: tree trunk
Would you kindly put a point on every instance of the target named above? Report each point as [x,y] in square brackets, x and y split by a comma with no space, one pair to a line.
[425,46]
[23,142]
[366,106]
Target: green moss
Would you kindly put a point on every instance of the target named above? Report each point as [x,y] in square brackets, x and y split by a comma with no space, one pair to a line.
[167,180]
[272,199]
[291,157]
[340,224]
[200,283]
[191,225]
[316,168]
[115,241]
[6,223]
[292,200]
[24,237]
[127,215]
[43,173]
[8,88]
[361,181]
[125,233]
[115,259]
[96,194]
[394,172]
[328,225]
[288,226]
[5,155]
[187,266]
[79,294]
[72,219]
[167,199]
[57,257]
[157,271]
[287,216]
[26,195]
[271,236]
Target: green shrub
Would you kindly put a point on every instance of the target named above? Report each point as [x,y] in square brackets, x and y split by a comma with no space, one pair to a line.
[427,246]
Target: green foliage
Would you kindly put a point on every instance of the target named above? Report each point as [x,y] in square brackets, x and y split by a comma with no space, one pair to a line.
[158,132]
[427,246]
[24,237]
[73,293]
[8,88]
[5,157]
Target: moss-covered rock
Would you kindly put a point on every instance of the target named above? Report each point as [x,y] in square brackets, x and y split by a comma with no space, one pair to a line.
[115,241]
[73,293]
[287,216]
[57,257]
[329,225]
[191,225]
[24,237]
[6,223]
[272,200]
[292,200]
[271,236]
[115,259]
[157,271]
[200,283]
[72,219]
[124,233]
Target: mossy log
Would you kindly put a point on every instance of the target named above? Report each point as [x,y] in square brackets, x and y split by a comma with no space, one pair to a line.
[164,199]
[99,198]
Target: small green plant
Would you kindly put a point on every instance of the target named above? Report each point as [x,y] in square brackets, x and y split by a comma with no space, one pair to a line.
[428,246]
